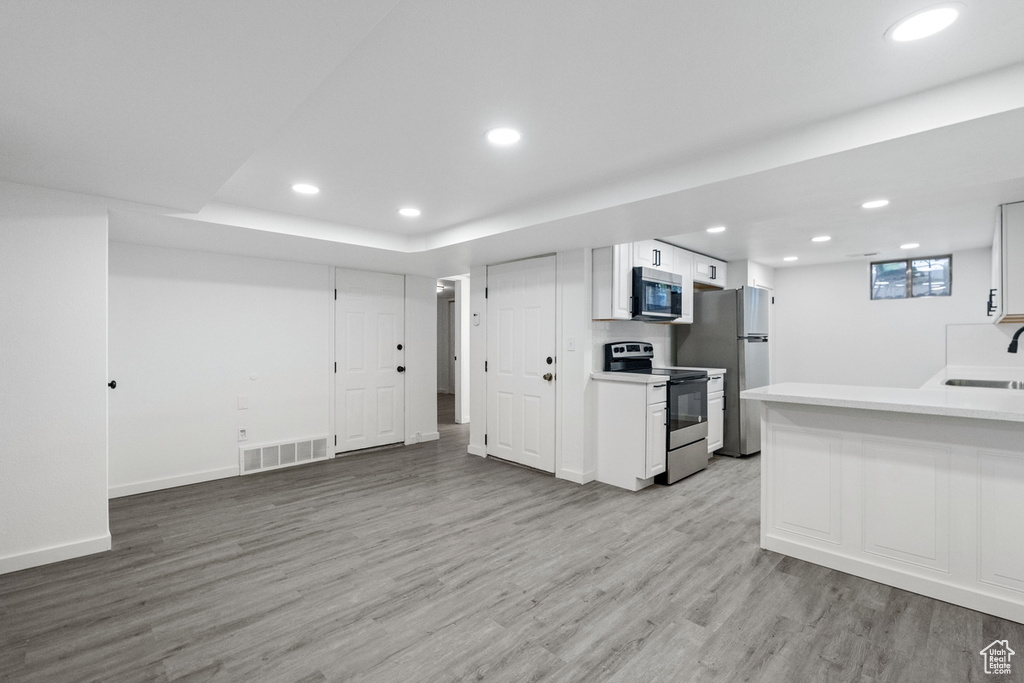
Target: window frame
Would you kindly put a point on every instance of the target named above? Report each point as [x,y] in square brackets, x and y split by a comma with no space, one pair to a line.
[909,294]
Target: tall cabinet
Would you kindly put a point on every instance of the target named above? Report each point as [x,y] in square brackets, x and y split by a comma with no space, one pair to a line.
[1006,298]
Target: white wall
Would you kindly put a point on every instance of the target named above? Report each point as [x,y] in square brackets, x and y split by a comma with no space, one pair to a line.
[420,359]
[190,332]
[575,457]
[827,329]
[984,345]
[461,351]
[749,274]
[53,375]
[478,355]
[444,342]
[607,331]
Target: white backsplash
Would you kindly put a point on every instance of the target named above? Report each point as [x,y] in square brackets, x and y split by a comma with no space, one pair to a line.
[659,336]
[982,345]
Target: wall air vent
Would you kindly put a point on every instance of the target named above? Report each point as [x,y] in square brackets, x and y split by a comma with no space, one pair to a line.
[274,456]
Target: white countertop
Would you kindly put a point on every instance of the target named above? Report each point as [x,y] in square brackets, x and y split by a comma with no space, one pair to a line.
[984,404]
[640,378]
[710,371]
[634,377]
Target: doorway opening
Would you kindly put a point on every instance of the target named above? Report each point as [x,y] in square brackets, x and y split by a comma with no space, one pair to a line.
[453,350]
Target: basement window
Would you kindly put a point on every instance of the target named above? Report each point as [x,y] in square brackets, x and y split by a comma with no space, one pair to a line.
[912,278]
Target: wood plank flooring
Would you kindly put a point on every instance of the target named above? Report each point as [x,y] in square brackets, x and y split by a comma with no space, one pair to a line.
[424,563]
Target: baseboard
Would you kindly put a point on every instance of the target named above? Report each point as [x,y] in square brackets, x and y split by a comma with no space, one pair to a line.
[37,558]
[171,482]
[429,436]
[576,477]
[477,450]
[976,598]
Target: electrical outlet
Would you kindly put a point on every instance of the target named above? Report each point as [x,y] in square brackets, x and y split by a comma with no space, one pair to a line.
[242,436]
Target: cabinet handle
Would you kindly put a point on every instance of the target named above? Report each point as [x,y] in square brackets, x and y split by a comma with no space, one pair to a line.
[714,272]
[657,257]
[991,303]
[659,386]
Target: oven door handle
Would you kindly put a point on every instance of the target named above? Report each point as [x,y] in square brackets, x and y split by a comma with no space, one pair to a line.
[690,380]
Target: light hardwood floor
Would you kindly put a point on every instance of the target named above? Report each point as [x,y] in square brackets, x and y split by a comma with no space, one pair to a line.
[424,563]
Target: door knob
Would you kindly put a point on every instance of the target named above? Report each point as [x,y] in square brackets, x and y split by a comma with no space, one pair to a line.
[112,384]
[548,376]
[401,368]
[399,347]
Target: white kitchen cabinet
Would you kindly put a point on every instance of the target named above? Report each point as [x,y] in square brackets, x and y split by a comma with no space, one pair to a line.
[612,274]
[654,254]
[716,412]
[654,456]
[629,430]
[1007,297]
[708,273]
[683,262]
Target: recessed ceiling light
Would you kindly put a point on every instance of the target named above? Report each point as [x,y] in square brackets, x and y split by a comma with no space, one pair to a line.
[925,22]
[305,188]
[910,245]
[875,204]
[821,238]
[790,258]
[503,137]
[409,211]
[717,228]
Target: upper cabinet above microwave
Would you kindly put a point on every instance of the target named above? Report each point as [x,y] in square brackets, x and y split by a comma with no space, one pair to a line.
[613,276]
[708,273]
[1006,298]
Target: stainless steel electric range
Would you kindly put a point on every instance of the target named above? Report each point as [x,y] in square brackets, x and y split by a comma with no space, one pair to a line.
[687,428]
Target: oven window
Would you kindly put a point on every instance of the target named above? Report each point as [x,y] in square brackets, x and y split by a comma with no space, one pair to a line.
[687,404]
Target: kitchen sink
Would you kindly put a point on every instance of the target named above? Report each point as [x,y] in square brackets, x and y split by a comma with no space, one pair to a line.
[985,383]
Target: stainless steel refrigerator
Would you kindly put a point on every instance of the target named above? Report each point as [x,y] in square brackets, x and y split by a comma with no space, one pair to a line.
[730,330]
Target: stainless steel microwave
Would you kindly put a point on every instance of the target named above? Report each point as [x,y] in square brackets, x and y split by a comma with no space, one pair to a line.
[657,295]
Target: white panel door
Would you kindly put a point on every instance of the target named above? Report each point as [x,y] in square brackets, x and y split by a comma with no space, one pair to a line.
[369,379]
[520,362]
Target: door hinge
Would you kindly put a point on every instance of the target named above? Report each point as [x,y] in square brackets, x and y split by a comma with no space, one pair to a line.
[485,439]
[773,299]
[335,367]
[485,366]
[335,293]
[485,292]
[335,439]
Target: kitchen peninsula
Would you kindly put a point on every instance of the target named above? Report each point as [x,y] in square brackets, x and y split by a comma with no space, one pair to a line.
[921,489]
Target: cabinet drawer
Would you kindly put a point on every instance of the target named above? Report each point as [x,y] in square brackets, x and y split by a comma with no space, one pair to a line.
[657,393]
[716,383]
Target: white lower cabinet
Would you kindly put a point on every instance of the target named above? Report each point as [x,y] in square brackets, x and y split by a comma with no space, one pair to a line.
[657,424]
[630,432]
[716,422]
[716,412]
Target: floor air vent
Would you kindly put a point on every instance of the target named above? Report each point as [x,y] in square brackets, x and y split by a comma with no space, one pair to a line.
[274,456]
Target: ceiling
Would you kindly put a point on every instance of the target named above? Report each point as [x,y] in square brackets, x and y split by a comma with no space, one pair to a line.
[646,119]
